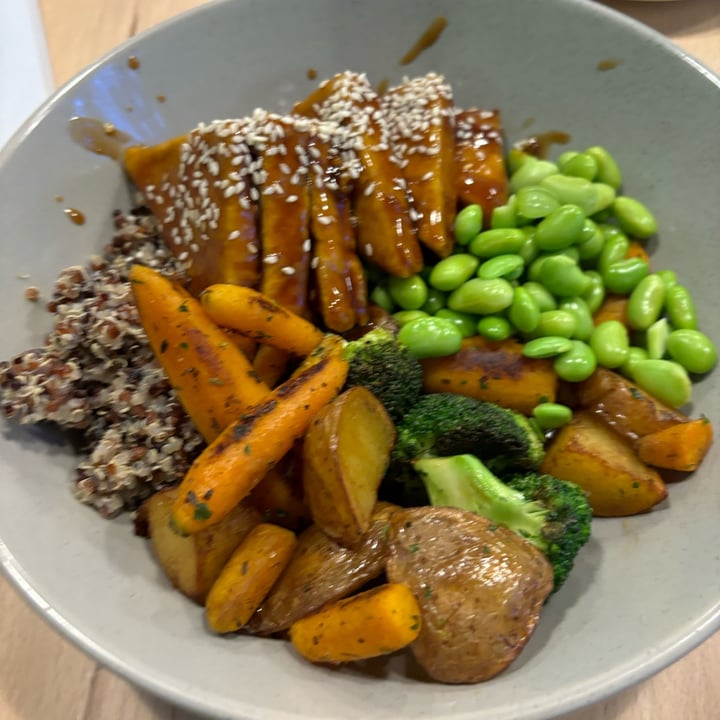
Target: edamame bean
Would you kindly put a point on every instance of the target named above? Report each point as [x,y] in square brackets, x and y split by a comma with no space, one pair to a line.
[483,297]
[544,299]
[531,172]
[622,277]
[635,354]
[634,218]
[595,294]
[381,297]
[495,327]
[668,277]
[466,323]
[528,252]
[591,197]
[656,337]
[451,272]
[578,308]
[608,171]
[581,165]
[667,380]
[516,158]
[577,364]
[591,242]
[646,302]
[499,241]
[552,415]
[430,337]
[555,323]
[409,293]
[505,216]
[535,202]
[610,343]
[565,157]
[524,312]
[507,266]
[562,276]
[468,223]
[403,317]
[435,301]
[560,229]
[614,250]
[681,308]
[694,350]
[545,347]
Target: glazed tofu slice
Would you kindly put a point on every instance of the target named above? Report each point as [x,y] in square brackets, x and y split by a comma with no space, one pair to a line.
[422,128]
[339,279]
[386,236]
[481,176]
[280,175]
[197,185]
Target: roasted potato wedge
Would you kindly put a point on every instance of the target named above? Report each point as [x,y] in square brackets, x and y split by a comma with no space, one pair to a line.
[589,453]
[480,587]
[345,455]
[192,564]
[321,571]
[628,409]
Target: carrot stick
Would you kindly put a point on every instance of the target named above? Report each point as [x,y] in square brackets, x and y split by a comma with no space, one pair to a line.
[259,317]
[270,364]
[248,576]
[229,468]
[372,623]
[679,447]
[213,379]
[636,250]
[614,307]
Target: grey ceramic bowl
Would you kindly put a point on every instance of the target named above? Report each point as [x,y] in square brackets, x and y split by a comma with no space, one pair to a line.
[646,589]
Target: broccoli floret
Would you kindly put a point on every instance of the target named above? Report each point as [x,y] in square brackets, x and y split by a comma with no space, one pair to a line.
[385,367]
[442,424]
[552,514]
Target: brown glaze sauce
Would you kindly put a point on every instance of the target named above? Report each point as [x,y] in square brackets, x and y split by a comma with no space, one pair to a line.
[75,215]
[99,137]
[161,98]
[538,145]
[609,64]
[133,63]
[311,73]
[426,40]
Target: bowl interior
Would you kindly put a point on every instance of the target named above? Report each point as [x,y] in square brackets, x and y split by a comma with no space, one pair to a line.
[646,589]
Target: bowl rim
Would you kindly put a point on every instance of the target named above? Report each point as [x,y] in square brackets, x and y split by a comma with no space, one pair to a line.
[580,696]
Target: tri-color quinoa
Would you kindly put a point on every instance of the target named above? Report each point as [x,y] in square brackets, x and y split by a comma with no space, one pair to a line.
[97,375]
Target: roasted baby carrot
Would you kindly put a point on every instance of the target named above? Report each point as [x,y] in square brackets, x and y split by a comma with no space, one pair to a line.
[248,576]
[679,447]
[372,623]
[258,316]
[213,379]
[229,468]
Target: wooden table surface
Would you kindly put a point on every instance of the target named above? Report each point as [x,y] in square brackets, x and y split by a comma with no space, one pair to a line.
[44,677]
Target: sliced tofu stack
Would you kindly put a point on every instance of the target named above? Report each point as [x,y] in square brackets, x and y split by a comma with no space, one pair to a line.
[386,236]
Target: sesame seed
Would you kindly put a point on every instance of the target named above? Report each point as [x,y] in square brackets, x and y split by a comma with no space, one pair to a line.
[287,270]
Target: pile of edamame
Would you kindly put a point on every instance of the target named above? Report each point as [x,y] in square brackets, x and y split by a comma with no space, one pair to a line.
[541,270]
